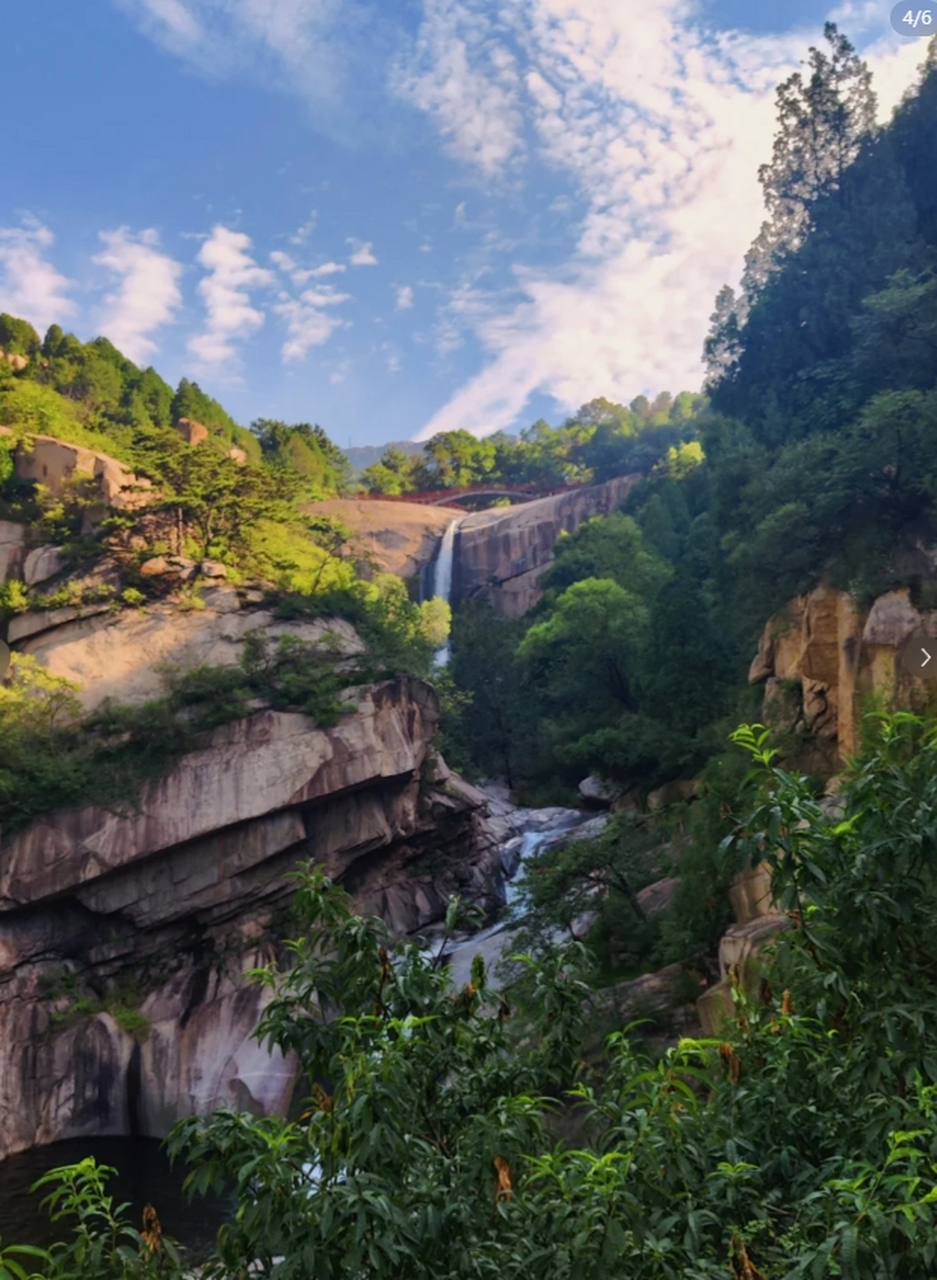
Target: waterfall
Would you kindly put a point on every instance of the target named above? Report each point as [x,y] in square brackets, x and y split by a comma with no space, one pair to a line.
[442,578]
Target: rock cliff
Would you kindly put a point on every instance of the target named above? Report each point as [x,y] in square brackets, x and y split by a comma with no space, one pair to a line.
[53,463]
[393,537]
[501,554]
[822,658]
[124,936]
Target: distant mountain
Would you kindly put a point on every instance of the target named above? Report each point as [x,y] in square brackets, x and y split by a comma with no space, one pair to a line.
[367,454]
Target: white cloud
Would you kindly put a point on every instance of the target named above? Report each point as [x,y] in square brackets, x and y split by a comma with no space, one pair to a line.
[361,253]
[226,292]
[405,298]
[652,124]
[308,322]
[311,48]
[660,127]
[147,295]
[283,261]
[327,269]
[302,275]
[30,286]
[170,21]
[466,78]
[302,234]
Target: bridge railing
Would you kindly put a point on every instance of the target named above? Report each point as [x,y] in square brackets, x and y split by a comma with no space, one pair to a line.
[440,497]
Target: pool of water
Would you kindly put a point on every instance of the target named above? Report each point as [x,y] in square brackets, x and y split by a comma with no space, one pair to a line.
[144,1176]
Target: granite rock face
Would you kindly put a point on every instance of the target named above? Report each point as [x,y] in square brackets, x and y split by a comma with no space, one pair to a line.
[54,463]
[501,554]
[391,537]
[822,657]
[124,936]
[120,655]
[819,659]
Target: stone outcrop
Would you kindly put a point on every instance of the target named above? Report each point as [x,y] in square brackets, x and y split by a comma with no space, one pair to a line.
[393,537]
[53,463]
[757,922]
[191,431]
[501,554]
[122,655]
[822,658]
[163,906]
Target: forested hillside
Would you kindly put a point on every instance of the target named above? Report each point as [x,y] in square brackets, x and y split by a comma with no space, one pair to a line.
[202,501]
[601,440]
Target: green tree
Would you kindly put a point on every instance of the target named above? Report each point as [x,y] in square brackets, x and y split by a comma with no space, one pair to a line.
[823,119]
[306,450]
[457,459]
[219,503]
[17,336]
[587,651]
[497,723]
[606,547]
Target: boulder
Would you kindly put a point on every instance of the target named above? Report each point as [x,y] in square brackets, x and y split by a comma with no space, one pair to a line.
[192,432]
[750,894]
[659,896]
[212,569]
[155,567]
[42,563]
[741,944]
[222,599]
[596,793]
[675,792]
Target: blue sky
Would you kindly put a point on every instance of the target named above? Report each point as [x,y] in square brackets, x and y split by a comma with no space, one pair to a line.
[400,217]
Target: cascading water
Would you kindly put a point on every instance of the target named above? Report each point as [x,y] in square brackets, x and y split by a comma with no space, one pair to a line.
[539,828]
[442,578]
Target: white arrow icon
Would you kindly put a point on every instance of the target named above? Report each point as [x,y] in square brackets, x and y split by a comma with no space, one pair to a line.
[927,656]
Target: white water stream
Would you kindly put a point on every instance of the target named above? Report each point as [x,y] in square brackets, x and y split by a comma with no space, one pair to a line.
[536,830]
[442,577]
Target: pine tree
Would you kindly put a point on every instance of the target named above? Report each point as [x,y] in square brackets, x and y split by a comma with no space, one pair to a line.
[822,123]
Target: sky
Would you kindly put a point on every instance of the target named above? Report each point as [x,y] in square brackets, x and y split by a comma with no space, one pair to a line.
[400,217]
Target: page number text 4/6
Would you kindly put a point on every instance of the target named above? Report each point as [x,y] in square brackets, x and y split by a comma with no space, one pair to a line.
[908,21]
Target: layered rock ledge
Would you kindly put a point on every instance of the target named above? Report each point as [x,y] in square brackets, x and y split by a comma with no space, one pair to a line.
[124,937]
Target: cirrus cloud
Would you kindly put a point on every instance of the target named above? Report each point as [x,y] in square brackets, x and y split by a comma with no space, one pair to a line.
[659,125]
